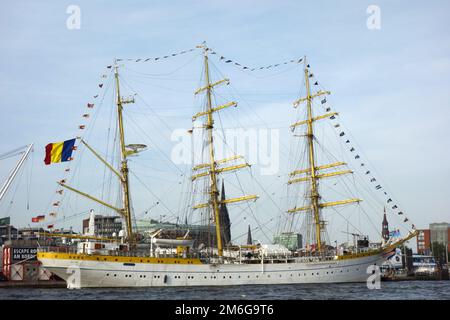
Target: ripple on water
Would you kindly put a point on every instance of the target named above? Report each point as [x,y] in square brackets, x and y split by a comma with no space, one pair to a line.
[346,291]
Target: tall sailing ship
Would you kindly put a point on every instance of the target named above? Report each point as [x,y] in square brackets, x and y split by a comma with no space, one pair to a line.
[128,262]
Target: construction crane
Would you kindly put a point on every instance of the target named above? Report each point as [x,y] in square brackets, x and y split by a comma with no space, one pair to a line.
[25,151]
[355,237]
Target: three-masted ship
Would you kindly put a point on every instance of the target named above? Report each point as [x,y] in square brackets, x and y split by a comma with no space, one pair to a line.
[97,262]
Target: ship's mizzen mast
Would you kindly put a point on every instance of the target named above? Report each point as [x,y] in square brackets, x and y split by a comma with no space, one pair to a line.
[212,168]
[312,173]
[312,165]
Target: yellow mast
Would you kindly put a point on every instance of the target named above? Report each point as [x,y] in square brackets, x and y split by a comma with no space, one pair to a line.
[125,211]
[310,136]
[213,167]
[214,193]
[313,173]
[124,162]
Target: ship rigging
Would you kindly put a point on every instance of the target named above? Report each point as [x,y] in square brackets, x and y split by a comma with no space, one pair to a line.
[195,264]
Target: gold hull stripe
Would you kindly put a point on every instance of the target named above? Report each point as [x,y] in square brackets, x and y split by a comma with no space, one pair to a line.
[119,259]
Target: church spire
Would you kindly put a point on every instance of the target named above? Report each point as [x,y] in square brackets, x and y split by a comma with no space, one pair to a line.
[249,236]
[225,224]
[385,227]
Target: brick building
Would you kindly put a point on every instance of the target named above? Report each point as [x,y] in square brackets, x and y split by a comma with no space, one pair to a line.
[437,232]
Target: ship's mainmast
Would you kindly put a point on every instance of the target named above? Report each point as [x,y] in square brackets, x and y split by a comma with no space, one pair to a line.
[213,167]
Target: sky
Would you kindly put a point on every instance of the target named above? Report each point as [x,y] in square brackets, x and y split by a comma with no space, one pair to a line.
[390,84]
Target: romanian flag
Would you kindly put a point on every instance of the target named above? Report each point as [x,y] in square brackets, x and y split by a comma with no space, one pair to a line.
[59,151]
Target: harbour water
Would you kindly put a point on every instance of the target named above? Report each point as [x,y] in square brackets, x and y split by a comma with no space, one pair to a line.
[404,290]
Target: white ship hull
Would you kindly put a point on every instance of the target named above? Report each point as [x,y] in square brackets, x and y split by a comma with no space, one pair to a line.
[82,274]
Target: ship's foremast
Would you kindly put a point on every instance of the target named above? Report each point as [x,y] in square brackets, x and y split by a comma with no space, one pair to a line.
[122,173]
[214,193]
[124,162]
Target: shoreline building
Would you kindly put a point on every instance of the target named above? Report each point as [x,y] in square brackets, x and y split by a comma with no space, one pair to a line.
[437,232]
[105,226]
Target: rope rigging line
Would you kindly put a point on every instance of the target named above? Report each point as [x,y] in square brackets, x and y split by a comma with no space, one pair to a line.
[355,153]
[161,58]
[13,153]
[247,68]
[220,57]
[86,117]
[357,156]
